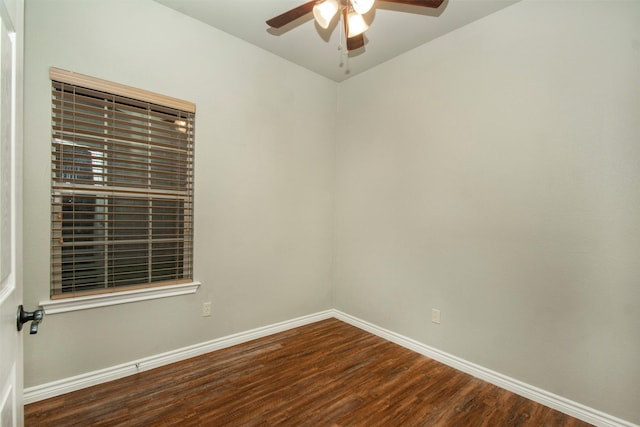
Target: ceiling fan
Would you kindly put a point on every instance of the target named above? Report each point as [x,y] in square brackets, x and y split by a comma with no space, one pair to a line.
[350,11]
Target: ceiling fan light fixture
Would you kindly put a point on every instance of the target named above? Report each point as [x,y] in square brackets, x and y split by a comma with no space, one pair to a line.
[356,24]
[325,11]
[362,6]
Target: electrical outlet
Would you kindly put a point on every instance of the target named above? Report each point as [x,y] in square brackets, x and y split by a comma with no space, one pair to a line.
[206,309]
[435,316]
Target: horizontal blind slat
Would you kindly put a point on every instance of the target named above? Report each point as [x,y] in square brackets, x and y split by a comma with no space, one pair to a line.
[178,154]
[79,188]
[83,122]
[119,137]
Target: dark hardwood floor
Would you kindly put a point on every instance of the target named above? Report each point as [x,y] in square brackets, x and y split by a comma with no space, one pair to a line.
[324,374]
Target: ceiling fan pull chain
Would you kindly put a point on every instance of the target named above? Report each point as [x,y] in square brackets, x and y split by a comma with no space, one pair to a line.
[346,62]
[344,46]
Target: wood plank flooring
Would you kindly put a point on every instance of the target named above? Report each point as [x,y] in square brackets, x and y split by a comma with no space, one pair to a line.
[325,374]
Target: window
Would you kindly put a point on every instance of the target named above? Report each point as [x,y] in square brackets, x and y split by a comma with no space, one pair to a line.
[122,187]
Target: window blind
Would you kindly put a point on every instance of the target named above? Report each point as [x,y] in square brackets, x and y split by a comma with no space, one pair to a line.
[122,189]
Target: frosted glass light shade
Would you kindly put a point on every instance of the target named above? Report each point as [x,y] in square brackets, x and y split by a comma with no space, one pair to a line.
[325,11]
[362,6]
[356,24]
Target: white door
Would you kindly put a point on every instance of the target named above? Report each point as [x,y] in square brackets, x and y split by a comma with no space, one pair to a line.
[11,14]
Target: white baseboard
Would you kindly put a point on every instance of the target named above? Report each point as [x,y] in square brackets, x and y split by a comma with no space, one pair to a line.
[569,407]
[66,385]
[543,397]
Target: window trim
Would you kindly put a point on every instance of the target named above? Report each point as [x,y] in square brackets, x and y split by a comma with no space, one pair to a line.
[55,306]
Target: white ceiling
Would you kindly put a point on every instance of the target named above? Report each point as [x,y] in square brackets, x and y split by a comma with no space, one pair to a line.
[303,42]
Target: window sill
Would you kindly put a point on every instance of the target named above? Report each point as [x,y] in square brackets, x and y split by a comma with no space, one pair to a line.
[104,300]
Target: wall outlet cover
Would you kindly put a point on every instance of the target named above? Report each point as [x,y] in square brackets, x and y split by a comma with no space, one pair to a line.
[206,309]
[435,316]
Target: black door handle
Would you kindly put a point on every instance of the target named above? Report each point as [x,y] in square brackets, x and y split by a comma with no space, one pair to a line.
[35,317]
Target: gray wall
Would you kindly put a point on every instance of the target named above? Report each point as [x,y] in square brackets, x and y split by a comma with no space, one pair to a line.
[494,173]
[264,175]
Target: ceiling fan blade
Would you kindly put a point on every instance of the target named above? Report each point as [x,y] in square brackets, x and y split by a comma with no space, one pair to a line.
[355,42]
[291,15]
[424,3]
